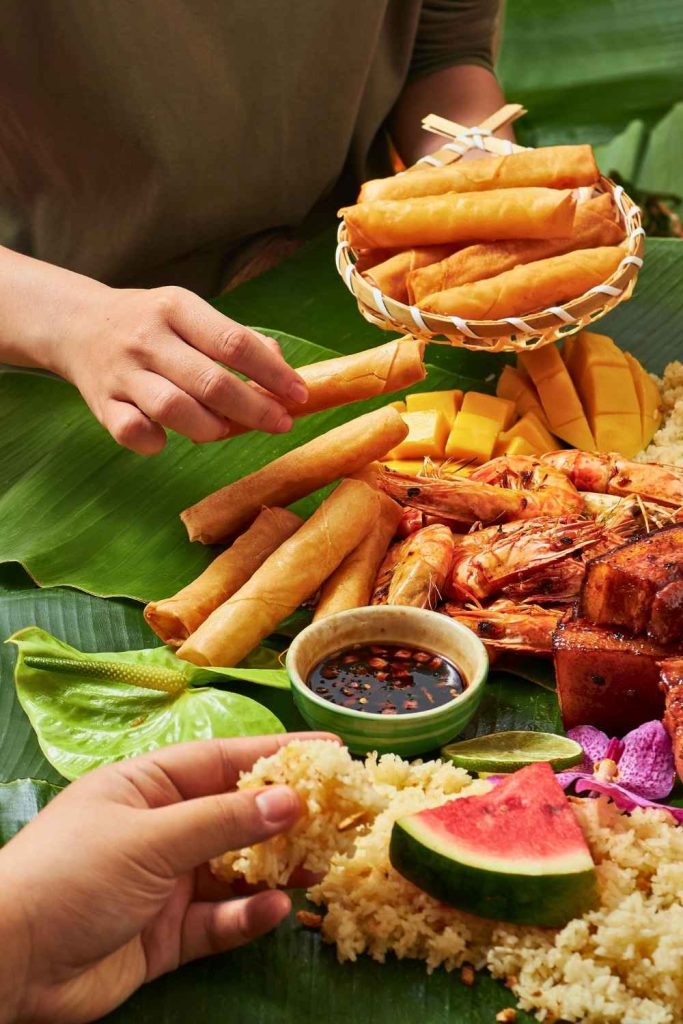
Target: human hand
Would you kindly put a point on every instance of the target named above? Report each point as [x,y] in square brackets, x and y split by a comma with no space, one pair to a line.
[108,887]
[145,360]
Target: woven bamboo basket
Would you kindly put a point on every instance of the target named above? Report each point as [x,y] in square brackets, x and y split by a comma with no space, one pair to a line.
[513,334]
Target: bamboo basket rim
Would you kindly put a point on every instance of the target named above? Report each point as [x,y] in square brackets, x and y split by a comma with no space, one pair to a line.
[511,334]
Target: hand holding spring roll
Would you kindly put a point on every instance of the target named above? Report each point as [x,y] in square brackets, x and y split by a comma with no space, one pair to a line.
[377,371]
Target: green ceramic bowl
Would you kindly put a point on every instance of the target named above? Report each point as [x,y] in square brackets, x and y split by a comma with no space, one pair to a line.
[407,734]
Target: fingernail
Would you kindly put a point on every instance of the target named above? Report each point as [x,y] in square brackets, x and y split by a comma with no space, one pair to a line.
[298,392]
[277,805]
[283,425]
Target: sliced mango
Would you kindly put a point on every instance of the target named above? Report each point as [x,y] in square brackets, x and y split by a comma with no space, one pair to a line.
[512,446]
[447,402]
[401,406]
[568,350]
[649,399]
[427,434]
[411,467]
[472,437]
[604,381]
[530,429]
[558,395]
[518,388]
[493,407]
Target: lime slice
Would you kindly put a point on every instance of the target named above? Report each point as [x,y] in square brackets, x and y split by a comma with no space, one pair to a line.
[507,751]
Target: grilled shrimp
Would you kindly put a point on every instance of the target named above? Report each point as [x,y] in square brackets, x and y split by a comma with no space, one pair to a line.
[504,489]
[506,626]
[385,573]
[488,560]
[422,567]
[612,474]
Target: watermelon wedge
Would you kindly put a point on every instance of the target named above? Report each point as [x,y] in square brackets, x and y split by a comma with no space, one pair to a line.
[515,854]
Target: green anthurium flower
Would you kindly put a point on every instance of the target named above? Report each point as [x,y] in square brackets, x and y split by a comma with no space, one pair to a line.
[91,709]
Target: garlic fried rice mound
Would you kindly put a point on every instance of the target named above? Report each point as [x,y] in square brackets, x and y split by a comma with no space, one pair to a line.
[621,963]
[337,797]
[624,961]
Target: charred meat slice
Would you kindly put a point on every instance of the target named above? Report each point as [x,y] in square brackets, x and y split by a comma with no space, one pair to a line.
[638,586]
[607,678]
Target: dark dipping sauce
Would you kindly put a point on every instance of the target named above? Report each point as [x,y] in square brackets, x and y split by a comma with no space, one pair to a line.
[386,679]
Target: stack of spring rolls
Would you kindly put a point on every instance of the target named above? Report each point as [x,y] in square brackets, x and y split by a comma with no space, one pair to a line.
[491,238]
[277,560]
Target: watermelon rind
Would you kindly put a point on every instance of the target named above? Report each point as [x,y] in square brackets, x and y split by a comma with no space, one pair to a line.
[545,893]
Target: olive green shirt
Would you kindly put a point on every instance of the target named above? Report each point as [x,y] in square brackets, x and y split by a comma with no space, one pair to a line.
[141,139]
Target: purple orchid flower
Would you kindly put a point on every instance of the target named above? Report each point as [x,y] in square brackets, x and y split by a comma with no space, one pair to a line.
[634,772]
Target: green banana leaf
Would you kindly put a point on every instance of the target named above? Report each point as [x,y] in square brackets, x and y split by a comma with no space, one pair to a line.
[586,68]
[607,72]
[91,709]
[292,976]
[105,520]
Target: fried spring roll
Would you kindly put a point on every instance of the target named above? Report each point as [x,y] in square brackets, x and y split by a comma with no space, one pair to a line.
[174,618]
[377,371]
[289,576]
[339,452]
[529,287]
[595,224]
[461,217]
[549,167]
[392,275]
[350,586]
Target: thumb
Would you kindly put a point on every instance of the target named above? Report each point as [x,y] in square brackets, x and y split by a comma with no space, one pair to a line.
[186,834]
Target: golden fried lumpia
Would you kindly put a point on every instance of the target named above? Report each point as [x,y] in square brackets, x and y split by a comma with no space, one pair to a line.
[377,371]
[337,453]
[174,618]
[289,576]
[460,217]
[530,287]
[548,167]
[371,257]
[391,276]
[350,586]
[595,224]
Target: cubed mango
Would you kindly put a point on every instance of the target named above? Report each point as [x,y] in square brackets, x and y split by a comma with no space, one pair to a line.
[399,405]
[512,446]
[608,392]
[502,410]
[472,437]
[530,429]
[558,395]
[447,402]
[427,434]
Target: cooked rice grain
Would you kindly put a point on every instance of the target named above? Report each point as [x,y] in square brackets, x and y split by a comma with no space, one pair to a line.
[667,444]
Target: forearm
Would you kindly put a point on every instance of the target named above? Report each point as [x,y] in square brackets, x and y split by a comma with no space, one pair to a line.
[38,304]
[466,93]
[15,945]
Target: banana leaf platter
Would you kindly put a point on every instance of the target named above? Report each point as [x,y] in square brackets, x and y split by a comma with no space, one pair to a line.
[89,532]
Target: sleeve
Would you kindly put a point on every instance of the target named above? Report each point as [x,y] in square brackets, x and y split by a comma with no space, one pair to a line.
[455,32]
